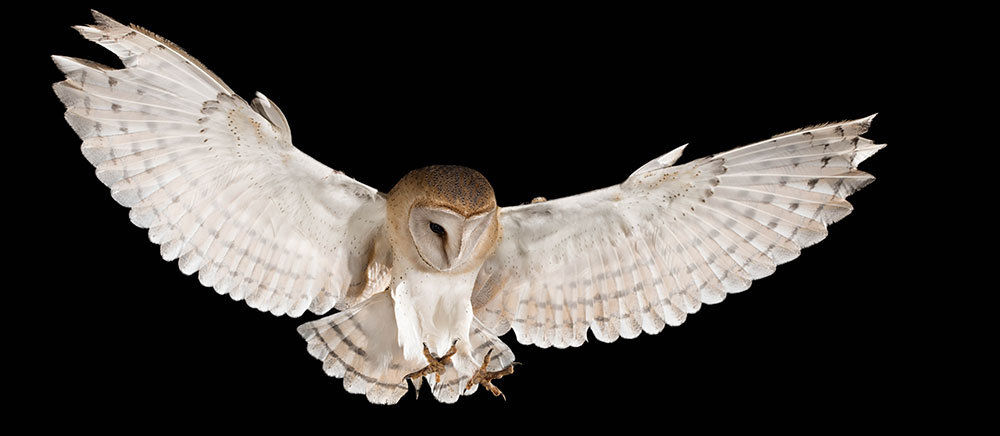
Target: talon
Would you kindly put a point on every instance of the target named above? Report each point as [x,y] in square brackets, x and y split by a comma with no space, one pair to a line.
[484,377]
[435,365]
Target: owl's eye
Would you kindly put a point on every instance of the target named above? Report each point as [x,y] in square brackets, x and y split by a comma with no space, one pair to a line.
[436,228]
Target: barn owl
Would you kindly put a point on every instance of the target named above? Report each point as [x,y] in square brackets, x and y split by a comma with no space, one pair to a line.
[425,278]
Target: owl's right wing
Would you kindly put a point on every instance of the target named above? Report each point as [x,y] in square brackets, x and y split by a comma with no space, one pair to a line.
[645,253]
[217,182]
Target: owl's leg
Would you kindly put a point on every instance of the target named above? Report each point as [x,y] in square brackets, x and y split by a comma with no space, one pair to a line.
[484,377]
[434,364]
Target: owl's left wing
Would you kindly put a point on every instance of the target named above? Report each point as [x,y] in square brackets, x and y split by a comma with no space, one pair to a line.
[645,253]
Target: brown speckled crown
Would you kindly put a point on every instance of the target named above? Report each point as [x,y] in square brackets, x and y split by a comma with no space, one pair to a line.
[461,189]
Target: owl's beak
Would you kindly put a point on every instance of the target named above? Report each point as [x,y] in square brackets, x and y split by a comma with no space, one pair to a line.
[459,249]
[453,250]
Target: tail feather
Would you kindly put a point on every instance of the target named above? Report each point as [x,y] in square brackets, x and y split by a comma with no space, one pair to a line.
[467,362]
[359,346]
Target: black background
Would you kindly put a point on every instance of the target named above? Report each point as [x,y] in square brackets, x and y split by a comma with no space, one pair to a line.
[548,103]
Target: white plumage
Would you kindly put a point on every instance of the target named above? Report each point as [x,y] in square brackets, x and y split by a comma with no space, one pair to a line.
[645,253]
[218,185]
[435,262]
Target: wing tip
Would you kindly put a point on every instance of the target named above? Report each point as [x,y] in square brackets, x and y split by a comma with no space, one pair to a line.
[102,29]
[862,126]
[865,123]
[100,18]
[104,21]
[70,64]
[87,31]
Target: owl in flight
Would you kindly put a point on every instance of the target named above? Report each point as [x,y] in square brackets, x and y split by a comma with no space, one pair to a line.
[427,276]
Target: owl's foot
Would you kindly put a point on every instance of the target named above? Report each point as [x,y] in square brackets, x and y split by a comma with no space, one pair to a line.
[484,377]
[434,364]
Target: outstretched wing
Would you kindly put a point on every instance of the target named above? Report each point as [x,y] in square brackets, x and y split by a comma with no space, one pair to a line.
[217,182]
[643,254]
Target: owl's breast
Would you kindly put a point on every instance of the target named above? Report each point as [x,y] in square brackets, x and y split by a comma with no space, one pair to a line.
[432,308]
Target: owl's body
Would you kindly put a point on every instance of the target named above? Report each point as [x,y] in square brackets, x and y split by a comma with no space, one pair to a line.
[434,308]
[375,344]
[433,275]
[427,276]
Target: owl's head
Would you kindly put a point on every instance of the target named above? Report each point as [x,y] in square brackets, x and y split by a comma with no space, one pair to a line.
[444,215]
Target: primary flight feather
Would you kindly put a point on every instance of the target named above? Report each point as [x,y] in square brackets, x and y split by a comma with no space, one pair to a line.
[427,276]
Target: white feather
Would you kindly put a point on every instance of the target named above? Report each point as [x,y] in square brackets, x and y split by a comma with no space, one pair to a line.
[646,252]
[218,184]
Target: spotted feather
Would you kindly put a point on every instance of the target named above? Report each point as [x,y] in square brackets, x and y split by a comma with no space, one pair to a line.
[643,254]
[217,181]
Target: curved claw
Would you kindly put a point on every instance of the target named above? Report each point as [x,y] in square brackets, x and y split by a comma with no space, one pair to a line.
[435,365]
[484,377]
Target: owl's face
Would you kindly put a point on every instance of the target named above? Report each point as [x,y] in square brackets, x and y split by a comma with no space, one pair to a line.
[447,240]
[443,218]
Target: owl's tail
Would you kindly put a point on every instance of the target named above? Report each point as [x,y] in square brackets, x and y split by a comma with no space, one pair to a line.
[360,345]
[467,361]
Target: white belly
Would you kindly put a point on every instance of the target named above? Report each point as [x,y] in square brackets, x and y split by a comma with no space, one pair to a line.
[433,309]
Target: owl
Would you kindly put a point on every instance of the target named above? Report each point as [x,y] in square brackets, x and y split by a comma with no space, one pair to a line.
[425,278]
